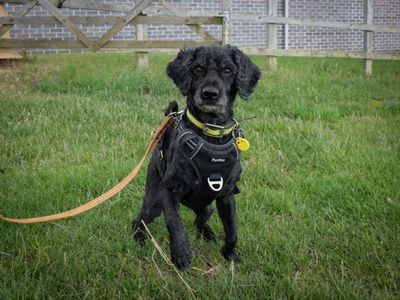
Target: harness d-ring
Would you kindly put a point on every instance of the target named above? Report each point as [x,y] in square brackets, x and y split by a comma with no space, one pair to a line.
[216,185]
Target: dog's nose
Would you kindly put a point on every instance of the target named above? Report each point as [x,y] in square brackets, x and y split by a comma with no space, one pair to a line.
[210,93]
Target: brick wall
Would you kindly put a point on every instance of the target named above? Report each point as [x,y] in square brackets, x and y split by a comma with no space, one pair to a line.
[322,38]
[244,34]
[387,12]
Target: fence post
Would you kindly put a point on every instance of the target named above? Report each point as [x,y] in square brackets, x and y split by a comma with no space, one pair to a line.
[227,23]
[286,28]
[142,58]
[272,61]
[368,35]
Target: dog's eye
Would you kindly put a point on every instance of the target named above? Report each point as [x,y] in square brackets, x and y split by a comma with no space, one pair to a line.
[227,71]
[198,70]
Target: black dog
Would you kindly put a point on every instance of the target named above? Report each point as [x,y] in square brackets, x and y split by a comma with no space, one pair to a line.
[197,161]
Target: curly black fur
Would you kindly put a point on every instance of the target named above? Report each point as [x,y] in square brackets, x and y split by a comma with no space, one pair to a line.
[210,77]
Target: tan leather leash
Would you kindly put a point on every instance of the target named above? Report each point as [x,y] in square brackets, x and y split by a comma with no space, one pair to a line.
[107,195]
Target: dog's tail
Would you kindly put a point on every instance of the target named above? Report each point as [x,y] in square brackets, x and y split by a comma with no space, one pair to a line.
[172,107]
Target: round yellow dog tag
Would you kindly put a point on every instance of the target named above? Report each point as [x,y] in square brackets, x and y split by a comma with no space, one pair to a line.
[242,144]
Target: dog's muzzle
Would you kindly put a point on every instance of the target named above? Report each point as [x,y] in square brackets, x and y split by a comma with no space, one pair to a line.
[210,100]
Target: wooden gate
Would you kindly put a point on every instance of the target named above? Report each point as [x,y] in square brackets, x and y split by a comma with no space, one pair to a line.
[133,15]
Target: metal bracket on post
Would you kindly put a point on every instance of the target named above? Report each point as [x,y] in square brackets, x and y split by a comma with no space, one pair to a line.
[60,3]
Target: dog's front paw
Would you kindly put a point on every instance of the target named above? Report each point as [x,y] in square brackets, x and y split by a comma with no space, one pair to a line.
[181,255]
[230,254]
[140,237]
[138,233]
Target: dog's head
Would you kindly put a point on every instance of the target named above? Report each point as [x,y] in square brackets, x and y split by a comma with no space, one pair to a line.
[212,76]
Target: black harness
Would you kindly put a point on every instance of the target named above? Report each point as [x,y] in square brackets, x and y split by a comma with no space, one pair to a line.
[212,163]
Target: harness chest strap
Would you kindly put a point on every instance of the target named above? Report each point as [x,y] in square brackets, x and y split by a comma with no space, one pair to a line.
[212,163]
[116,189]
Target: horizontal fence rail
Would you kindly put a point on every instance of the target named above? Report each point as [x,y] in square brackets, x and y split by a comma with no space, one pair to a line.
[151,46]
[321,53]
[86,5]
[314,22]
[111,20]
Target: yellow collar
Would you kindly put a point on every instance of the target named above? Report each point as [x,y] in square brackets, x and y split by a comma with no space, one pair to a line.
[215,130]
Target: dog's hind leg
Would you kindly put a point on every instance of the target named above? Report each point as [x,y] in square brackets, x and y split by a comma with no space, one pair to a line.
[202,216]
[149,212]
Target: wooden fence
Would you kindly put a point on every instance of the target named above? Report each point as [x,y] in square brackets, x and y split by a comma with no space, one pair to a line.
[367,27]
[194,19]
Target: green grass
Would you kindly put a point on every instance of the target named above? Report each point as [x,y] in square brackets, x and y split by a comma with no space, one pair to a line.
[319,211]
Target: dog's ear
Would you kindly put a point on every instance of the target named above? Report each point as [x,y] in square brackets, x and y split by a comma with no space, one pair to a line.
[248,74]
[179,70]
